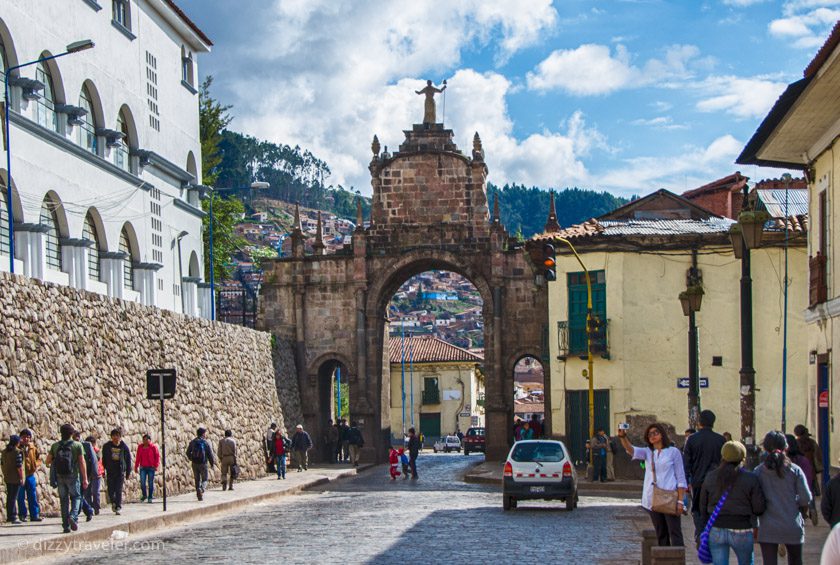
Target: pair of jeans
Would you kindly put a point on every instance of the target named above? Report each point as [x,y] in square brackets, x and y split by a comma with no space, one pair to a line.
[280,465]
[600,464]
[741,542]
[147,477]
[91,493]
[115,488]
[200,476]
[70,498]
[11,497]
[28,490]
[412,464]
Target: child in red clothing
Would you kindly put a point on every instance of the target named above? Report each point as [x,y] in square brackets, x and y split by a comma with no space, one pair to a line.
[393,459]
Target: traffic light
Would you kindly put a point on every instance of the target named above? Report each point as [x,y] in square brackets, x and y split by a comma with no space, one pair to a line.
[549,263]
[597,329]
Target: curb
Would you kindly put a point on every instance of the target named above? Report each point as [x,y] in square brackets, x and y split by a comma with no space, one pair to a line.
[58,545]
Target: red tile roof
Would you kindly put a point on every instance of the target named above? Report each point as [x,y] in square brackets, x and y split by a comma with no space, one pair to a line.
[733,183]
[428,349]
[180,13]
[825,51]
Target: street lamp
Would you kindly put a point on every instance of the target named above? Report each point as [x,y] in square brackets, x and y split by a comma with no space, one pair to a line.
[178,238]
[590,375]
[691,298]
[74,47]
[257,185]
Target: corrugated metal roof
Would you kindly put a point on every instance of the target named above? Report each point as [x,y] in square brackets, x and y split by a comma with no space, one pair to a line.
[665,227]
[774,202]
[428,349]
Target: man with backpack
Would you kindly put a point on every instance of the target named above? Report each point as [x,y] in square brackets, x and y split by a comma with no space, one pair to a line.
[200,454]
[66,458]
[117,460]
[356,441]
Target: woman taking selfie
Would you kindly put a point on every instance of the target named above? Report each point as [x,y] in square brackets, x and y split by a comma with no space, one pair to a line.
[743,500]
[664,486]
[786,490]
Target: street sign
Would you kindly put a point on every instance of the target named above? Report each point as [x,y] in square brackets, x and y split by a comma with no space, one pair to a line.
[684,383]
[155,378]
[823,399]
[464,415]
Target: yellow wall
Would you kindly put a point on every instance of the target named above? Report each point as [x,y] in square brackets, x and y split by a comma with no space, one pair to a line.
[448,375]
[822,338]
[648,336]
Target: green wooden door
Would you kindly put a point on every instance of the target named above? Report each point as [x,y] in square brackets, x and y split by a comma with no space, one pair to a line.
[430,427]
[577,419]
[577,306]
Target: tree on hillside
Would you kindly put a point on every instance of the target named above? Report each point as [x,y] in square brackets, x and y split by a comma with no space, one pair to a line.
[213,118]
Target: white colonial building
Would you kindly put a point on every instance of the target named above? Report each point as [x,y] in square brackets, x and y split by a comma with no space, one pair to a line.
[105,151]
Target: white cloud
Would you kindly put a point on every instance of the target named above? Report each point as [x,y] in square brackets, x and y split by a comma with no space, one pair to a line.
[660,122]
[693,167]
[334,72]
[739,97]
[594,69]
[806,23]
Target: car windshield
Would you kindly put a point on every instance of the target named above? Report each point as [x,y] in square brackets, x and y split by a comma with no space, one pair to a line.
[475,432]
[534,452]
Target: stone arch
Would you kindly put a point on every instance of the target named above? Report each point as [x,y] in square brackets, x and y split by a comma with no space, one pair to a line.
[59,94]
[331,356]
[327,409]
[194,269]
[518,355]
[191,166]
[9,51]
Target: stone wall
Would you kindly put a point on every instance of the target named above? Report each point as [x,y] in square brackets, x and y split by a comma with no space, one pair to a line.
[72,356]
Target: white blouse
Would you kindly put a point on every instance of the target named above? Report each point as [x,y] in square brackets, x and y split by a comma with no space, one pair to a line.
[670,473]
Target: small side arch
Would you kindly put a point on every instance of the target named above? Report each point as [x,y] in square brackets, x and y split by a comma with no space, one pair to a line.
[195,269]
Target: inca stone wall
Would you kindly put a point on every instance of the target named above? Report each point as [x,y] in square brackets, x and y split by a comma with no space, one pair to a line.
[72,356]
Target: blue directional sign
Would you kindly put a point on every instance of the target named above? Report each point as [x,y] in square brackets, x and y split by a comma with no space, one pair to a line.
[683,382]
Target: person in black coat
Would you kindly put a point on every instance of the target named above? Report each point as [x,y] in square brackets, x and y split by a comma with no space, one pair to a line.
[116,458]
[413,451]
[830,504]
[701,454]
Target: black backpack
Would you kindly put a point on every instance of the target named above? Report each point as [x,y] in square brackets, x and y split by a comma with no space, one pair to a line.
[196,453]
[63,459]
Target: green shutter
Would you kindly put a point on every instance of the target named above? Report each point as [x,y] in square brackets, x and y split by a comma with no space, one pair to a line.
[577,306]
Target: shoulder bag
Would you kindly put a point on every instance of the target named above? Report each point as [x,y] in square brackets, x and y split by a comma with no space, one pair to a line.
[704,554]
[663,501]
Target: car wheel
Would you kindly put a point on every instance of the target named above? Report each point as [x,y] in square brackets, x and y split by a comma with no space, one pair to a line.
[446,450]
[571,502]
[466,452]
[434,449]
[459,450]
[507,502]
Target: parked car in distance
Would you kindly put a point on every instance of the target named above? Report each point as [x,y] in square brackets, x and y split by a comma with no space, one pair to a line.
[474,440]
[447,444]
[539,469]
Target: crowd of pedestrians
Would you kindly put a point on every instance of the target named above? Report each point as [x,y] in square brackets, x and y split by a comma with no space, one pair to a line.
[733,508]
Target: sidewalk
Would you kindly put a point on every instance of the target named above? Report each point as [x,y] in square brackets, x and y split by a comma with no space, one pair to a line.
[490,473]
[31,540]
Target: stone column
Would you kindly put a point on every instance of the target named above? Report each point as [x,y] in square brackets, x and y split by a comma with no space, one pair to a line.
[496,405]
[74,257]
[205,297]
[30,246]
[144,282]
[111,271]
[189,288]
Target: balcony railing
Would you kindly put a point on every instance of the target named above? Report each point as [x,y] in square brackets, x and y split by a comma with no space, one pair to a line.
[571,339]
[431,396]
[818,288]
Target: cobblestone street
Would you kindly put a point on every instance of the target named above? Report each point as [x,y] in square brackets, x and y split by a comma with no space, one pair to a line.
[370,519]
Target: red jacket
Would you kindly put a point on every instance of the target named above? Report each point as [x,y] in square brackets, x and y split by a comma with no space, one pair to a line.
[147,456]
[393,457]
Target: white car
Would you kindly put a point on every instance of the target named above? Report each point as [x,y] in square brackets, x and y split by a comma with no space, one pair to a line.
[447,444]
[539,469]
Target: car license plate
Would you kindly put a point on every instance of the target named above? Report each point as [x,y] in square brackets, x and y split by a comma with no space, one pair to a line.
[537,489]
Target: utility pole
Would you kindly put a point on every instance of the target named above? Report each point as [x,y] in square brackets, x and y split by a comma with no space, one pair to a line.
[747,372]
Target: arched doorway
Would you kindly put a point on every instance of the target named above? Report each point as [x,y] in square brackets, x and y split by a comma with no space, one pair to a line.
[332,381]
[529,397]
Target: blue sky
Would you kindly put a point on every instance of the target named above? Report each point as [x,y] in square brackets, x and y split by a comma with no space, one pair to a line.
[621,95]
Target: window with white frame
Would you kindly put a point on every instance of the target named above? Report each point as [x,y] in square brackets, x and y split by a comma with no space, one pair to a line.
[187,66]
[49,219]
[86,131]
[4,222]
[89,233]
[45,106]
[121,156]
[122,13]
[128,263]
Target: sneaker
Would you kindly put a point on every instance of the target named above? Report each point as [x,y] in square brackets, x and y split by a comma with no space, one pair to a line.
[96,512]
[149,500]
[66,531]
[117,510]
[74,525]
[142,499]
[16,522]
[88,517]
[38,519]
[199,495]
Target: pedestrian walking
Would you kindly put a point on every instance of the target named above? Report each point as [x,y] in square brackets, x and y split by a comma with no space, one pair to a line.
[332,437]
[200,455]
[422,439]
[147,462]
[786,490]
[90,503]
[27,497]
[736,495]
[345,441]
[525,432]
[536,426]
[280,446]
[268,440]
[94,478]
[413,451]
[404,462]
[600,444]
[11,463]
[830,503]
[393,461]
[301,444]
[664,470]
[86,508]
[116,457]
[811,450]
[356,442]
[701,454]
[69,474]
[227,459]
[798,458]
